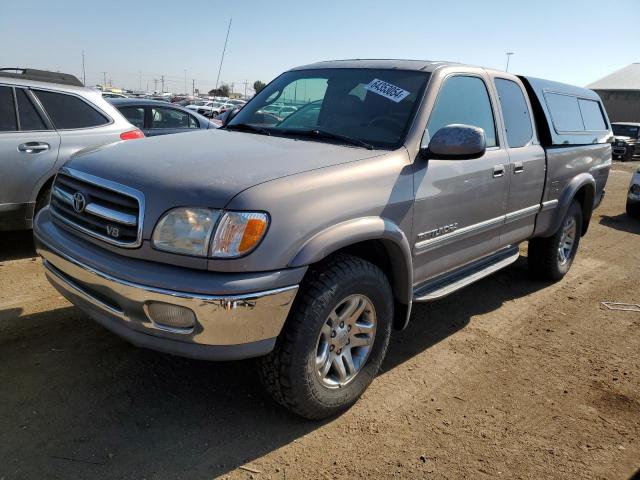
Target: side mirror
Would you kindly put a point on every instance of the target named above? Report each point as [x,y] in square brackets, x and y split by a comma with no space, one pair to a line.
[456,142]
[228,115]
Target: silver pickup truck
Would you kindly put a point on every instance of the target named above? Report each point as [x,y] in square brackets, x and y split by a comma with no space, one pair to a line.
[304,239]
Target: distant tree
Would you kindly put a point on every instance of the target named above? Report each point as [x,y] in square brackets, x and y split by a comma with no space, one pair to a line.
[223,91]
[258,85]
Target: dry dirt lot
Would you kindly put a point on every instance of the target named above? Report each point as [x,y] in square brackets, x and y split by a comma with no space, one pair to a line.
[509,378]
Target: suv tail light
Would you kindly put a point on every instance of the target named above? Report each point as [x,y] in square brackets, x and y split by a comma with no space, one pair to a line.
[131,135]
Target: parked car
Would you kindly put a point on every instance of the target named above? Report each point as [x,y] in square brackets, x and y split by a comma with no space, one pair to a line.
[45,118]
[625,142]
[306,243]
[160,118]
[205,107]
[633,196]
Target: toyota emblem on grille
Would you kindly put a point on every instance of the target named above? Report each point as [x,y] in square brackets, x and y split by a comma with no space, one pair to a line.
[79,202]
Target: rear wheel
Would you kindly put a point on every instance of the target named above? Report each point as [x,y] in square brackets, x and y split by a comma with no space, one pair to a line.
[334,341]
[550,258]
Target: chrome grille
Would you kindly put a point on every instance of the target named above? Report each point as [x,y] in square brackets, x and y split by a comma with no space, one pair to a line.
[98,207]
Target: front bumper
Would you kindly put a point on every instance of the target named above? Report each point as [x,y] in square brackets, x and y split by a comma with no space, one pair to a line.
[227,327]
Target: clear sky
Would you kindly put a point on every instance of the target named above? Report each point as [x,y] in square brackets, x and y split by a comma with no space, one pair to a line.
[570,41]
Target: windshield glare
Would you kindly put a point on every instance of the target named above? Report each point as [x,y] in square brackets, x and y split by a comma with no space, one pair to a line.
[371,105]
[625,130]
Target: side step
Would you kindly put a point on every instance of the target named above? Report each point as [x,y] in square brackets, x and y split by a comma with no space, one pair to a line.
[445,284]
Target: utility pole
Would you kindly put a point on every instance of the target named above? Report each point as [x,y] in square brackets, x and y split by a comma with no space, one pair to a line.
[104,79]
[155,85]
[508,54]
[246,83]
[223,50]
[162,80]
[193,86]
[84,74]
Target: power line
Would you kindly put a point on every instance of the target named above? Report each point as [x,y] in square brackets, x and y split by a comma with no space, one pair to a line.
[223,51]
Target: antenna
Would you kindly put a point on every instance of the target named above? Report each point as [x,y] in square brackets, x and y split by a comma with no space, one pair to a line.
[223,50]
[84,75]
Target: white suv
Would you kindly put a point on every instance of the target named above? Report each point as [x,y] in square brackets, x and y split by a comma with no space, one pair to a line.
[45,117]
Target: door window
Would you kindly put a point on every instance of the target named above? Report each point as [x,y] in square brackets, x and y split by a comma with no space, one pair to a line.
[8,121]
[68,111]
[30,119]
[465,100]
[134,115]
[515,111]
[162,117]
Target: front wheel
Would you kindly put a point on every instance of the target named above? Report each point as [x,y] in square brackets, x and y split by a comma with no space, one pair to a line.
[550,258]
[334,341]
[633,209]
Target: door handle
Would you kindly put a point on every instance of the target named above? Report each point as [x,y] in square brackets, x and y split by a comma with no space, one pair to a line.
[518,167]
[498,171]
[33,147]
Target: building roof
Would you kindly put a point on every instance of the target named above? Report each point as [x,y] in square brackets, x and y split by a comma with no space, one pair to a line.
[627,78]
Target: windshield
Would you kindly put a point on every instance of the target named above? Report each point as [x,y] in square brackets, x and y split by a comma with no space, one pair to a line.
[374,106]
[625,130]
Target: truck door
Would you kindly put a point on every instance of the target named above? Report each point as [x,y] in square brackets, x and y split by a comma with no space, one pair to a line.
[459,204]
[527,162]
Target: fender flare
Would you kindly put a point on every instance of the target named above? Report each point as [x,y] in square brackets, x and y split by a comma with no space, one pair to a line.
[359,230]
[546,227]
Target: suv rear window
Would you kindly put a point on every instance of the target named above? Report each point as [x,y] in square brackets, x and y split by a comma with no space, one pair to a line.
[8,121]
[29,117]
[67,111]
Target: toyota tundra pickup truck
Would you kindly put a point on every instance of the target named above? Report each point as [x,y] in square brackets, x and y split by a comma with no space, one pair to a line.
[305,240]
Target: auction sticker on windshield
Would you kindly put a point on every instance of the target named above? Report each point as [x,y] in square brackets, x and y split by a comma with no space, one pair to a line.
[387,90]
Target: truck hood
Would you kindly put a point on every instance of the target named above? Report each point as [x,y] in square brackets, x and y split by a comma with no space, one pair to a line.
[209,167]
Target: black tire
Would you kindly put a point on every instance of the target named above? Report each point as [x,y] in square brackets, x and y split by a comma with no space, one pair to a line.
[543,255]
[633,209]
[289,373]
[628,155]
[42,200]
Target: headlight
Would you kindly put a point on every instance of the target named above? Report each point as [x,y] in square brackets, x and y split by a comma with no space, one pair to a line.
[238,233]
[189,231]
[185,230]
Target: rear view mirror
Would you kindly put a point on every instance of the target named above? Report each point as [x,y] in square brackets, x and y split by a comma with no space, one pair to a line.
[456,142]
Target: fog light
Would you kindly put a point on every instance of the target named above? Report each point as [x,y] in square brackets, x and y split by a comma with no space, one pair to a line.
[171,316]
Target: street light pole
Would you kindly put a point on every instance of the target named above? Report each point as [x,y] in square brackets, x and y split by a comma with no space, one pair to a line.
[508,54]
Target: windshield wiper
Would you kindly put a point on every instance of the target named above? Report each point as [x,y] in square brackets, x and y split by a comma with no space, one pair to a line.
[247,127]
[320,133]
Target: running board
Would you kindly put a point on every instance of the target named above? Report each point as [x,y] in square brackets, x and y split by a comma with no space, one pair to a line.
[448,283]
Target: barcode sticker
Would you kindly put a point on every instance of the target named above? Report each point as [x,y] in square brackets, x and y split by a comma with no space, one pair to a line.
[387,90]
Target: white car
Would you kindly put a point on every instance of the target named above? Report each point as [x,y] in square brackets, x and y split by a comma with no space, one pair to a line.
[207,108]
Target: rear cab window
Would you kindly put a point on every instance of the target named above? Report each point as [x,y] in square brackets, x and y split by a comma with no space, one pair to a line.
[515,112]
[70,112]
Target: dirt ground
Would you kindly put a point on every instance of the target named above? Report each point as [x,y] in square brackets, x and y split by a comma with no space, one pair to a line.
[508,378]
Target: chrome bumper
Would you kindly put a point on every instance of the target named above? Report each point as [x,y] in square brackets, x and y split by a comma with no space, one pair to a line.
[226,327]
